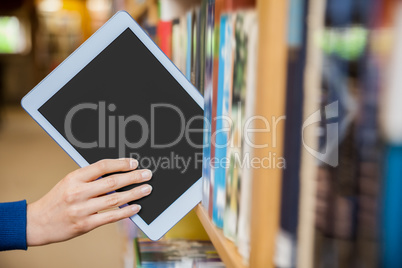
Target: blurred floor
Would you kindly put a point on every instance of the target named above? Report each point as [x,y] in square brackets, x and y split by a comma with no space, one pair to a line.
[30,165]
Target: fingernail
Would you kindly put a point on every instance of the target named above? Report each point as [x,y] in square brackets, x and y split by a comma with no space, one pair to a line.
[136,208]
[146,189]
[133,163]
[146,174]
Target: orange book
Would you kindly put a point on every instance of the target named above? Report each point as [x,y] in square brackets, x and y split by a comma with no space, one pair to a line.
[238,4]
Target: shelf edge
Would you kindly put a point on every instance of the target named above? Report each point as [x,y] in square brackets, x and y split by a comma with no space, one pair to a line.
[227,250]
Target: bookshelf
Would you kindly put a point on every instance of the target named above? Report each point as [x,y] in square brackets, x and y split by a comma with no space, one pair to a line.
[272,17]
[266,186]
[270,103]
[227,249]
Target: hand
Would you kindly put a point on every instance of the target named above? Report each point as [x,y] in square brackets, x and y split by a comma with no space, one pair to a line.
[72,207]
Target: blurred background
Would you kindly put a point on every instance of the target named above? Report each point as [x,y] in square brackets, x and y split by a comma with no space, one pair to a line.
[36,36]
[346,52]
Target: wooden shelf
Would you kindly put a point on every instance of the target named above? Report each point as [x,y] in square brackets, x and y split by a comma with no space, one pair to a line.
[227,250]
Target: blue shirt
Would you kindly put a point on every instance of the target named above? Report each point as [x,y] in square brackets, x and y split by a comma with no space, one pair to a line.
[13,225]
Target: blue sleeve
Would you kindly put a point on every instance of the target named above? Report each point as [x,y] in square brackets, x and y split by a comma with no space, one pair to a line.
[13,225]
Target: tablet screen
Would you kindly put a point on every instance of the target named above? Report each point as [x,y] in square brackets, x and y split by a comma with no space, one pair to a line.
[124,103]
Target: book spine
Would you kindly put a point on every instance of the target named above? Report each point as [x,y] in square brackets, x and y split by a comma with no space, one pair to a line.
[390,118]
[392,218]
[308,172]
[237,117]
[176,50]
[200,49]
[250,29]
[195,46]
[189,43]
[183,44]
[164,33]
[221,134]
[205,85]
[206,166]
[209,60]
[286,245]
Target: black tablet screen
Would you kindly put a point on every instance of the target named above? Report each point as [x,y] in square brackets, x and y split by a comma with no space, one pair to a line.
[124,103]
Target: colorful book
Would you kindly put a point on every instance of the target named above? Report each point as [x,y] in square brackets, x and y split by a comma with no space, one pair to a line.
[214,55]
[176,253]
[207,153]
[232,181]
[208,89]
[224,101]
[243,232]
[390,118]
[236,138]
[206,162]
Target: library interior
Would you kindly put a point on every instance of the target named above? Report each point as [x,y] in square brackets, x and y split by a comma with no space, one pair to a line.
[300,158]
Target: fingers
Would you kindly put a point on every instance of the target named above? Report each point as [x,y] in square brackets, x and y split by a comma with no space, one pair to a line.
[106,166]
[113,216]
[117,199]
[117,181]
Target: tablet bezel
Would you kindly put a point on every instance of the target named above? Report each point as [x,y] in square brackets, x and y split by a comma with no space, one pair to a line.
[70,67]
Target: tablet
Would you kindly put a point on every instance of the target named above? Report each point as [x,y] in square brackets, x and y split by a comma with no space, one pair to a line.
[118,96]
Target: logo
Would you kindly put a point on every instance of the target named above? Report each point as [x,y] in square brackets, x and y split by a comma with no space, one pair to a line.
[328,154]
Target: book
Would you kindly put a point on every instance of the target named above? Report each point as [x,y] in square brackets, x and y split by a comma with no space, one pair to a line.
[205,84]
[232,180]
[179,43]
[236,136]
[250,28]
[176,253]
[208,89]
[206,170]
[164,37]
[389,16]
[391,216]
[224,101]
[206,162]
[194,43]
[286,243]
[234,5]
[215,73]
[308,168]
[200,47]
[189,43]
[183,44]
[170,10]
[176,45]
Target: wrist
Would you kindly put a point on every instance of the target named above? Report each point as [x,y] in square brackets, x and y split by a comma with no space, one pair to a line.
[35,222]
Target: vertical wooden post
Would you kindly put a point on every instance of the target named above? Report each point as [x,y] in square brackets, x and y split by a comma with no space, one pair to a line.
[270,103]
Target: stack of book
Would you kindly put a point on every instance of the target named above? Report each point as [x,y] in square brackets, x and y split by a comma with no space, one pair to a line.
[176,253]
